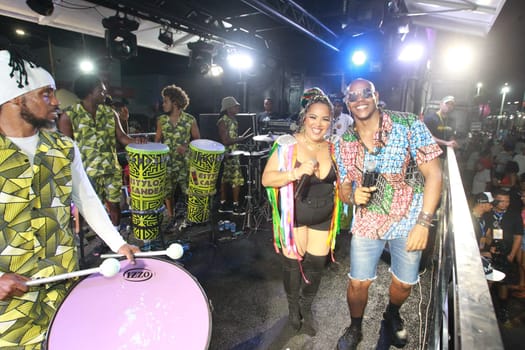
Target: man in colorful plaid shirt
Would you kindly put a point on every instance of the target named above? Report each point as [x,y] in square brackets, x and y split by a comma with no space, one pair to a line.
[390,171]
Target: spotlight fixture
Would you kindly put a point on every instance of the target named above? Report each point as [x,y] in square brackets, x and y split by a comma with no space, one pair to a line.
[42,7]
[216,70]
[120,41]
[166,36]
[201,56]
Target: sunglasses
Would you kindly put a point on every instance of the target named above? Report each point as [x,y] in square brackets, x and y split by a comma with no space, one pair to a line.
[353,96]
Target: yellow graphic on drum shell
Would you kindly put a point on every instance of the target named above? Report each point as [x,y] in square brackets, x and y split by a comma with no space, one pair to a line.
[205,162]
[147,176]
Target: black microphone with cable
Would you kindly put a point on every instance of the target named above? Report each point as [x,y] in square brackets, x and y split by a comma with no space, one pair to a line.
[370,174]
[304,181]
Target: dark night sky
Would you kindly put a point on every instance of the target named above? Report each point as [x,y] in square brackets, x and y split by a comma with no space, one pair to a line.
[503,59]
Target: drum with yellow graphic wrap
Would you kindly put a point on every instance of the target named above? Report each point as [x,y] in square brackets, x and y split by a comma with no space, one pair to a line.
[147,176]
[205,162]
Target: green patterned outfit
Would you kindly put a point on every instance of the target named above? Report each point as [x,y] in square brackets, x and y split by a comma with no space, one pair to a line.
[173,136]
[232,165]
[98,146]
[36,239]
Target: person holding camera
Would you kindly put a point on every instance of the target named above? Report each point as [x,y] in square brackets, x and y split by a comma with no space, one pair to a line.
[504,235]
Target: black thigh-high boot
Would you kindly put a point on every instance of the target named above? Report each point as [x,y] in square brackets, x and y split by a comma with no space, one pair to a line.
[292,285]
[313,267]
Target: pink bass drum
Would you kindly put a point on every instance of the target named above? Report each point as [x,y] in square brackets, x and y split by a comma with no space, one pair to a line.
[154,304]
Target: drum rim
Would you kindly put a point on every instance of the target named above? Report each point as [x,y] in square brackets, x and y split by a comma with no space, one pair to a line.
[193,145]
[206,299]
[139,148]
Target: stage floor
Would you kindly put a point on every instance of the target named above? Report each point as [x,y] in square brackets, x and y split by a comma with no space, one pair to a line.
[241,276]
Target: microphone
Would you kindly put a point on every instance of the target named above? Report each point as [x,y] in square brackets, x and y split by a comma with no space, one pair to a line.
[369,175]
[108,100]
[304,181]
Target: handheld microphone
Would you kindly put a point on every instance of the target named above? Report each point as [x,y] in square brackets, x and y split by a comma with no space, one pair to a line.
[369,175]
[108,100]
[304,181]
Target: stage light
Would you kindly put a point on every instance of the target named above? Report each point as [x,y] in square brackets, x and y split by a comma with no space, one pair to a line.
[120,41]
[479,85]
[20,32]
[201,56]
[216,70]
[166,36]
[411,52]
[86,66]
[42,7]
[359,58]
[459,58]
[240,61]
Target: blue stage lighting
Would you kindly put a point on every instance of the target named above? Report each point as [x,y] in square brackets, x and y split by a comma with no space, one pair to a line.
[359,58]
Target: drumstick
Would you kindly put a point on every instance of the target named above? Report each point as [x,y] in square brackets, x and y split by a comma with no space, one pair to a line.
[174,251]
[247,131]
[108,268]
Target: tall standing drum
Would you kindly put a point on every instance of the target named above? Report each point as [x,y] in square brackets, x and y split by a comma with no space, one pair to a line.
[147,177]
[154,304]
[205,162]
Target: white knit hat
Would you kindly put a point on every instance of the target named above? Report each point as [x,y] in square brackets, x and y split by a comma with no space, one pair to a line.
[13,83]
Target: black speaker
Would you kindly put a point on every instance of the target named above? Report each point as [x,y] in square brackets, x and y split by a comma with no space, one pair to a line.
[247,121]
[208,126]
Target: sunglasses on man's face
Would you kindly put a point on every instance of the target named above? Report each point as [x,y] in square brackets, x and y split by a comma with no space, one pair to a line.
[353,96]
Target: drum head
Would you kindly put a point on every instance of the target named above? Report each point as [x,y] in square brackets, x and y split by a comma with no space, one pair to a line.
[152,147]
[206,145]
[154,304]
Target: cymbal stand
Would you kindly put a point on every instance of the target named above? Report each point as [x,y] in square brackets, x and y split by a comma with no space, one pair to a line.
[250,222]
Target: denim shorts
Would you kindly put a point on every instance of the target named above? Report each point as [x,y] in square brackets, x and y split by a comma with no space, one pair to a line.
[365,254]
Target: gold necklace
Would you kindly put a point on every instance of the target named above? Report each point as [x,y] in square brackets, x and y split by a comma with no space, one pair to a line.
[312,146]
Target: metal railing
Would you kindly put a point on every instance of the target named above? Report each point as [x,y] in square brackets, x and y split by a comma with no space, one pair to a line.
[463,314]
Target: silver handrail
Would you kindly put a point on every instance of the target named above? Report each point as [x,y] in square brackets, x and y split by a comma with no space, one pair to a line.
[463,313]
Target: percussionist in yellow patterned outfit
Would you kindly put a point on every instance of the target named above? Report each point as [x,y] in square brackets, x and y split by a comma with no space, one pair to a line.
[96,128]
[229,136]
[40,174]
[176,128]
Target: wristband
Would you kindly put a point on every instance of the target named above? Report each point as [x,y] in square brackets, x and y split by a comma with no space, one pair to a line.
[424,223]
[427,217]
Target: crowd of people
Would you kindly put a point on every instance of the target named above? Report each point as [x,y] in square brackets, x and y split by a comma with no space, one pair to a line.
[384,164]
[493,174]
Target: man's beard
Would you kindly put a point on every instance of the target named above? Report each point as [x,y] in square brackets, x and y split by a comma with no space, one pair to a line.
[31,118]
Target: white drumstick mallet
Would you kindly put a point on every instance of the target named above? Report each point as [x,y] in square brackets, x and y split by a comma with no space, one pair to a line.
[174,251]
[108,268]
